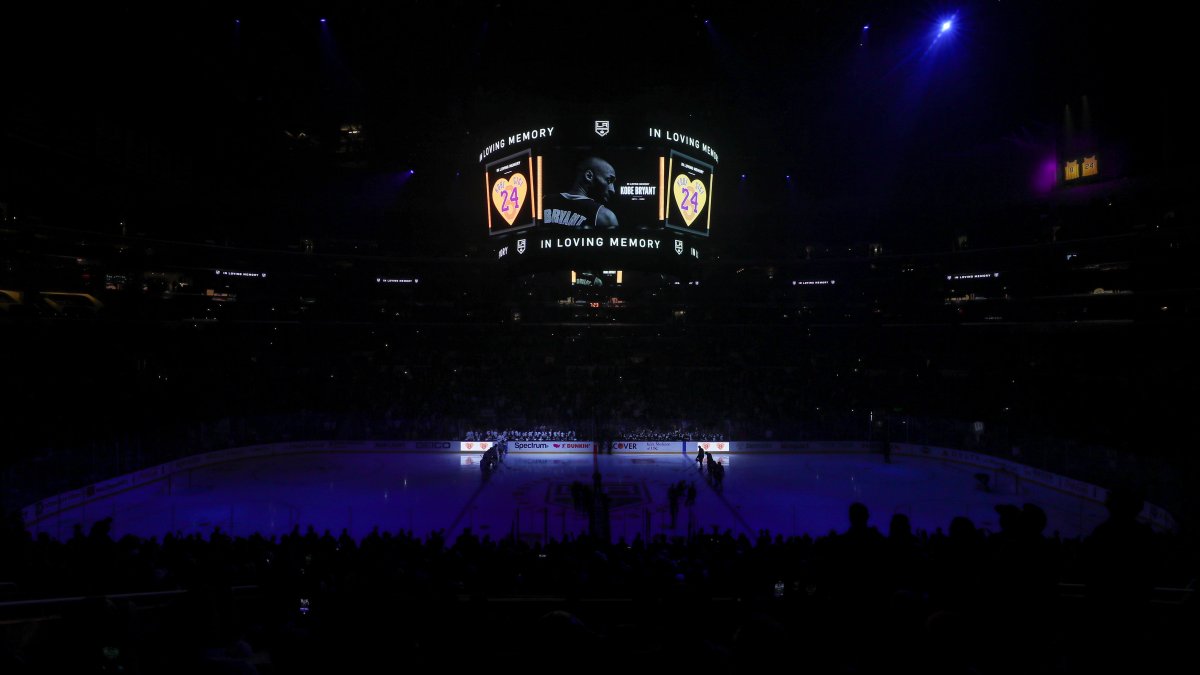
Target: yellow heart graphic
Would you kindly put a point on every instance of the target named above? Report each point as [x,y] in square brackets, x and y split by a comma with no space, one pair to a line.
[690,196]
[508,196]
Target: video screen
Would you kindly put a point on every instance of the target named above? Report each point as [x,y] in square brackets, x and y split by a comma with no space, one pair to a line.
[598,194]
[616,190]
[509,185]
[690,205]
[597,279]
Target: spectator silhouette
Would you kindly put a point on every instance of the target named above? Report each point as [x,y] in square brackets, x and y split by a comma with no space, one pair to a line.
[1117,565]
[860,532]
[857,555]
[902,553]
[1021,578]
[673,496]
[958,560]
[1117,554]
[858,580]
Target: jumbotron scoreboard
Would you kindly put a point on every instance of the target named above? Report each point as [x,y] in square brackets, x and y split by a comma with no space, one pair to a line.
[599,192]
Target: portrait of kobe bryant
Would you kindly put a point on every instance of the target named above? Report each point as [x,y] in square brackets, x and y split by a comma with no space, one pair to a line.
[584,205]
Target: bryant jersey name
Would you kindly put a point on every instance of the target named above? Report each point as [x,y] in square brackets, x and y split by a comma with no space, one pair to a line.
[568,210]
[563,217]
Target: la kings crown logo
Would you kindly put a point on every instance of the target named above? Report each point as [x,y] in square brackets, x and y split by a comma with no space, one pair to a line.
[602,128]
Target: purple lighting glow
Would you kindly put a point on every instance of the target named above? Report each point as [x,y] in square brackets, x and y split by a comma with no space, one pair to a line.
[1045,177]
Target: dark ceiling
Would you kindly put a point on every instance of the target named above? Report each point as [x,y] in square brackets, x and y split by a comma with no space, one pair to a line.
[221,122]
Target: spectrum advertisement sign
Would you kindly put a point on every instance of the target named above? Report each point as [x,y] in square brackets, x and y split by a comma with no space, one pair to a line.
[551,446]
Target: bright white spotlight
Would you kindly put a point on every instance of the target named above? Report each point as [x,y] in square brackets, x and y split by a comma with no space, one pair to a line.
[947,25]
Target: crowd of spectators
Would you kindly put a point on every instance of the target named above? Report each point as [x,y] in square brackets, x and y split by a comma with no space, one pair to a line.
[359,381]
[542,433]
[669,433]
[189,388]
[960,600]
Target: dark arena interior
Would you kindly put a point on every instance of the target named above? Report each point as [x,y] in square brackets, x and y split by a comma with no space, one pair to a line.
[833,337]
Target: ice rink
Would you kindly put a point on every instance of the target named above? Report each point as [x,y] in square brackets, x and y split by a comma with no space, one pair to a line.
[530,495]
